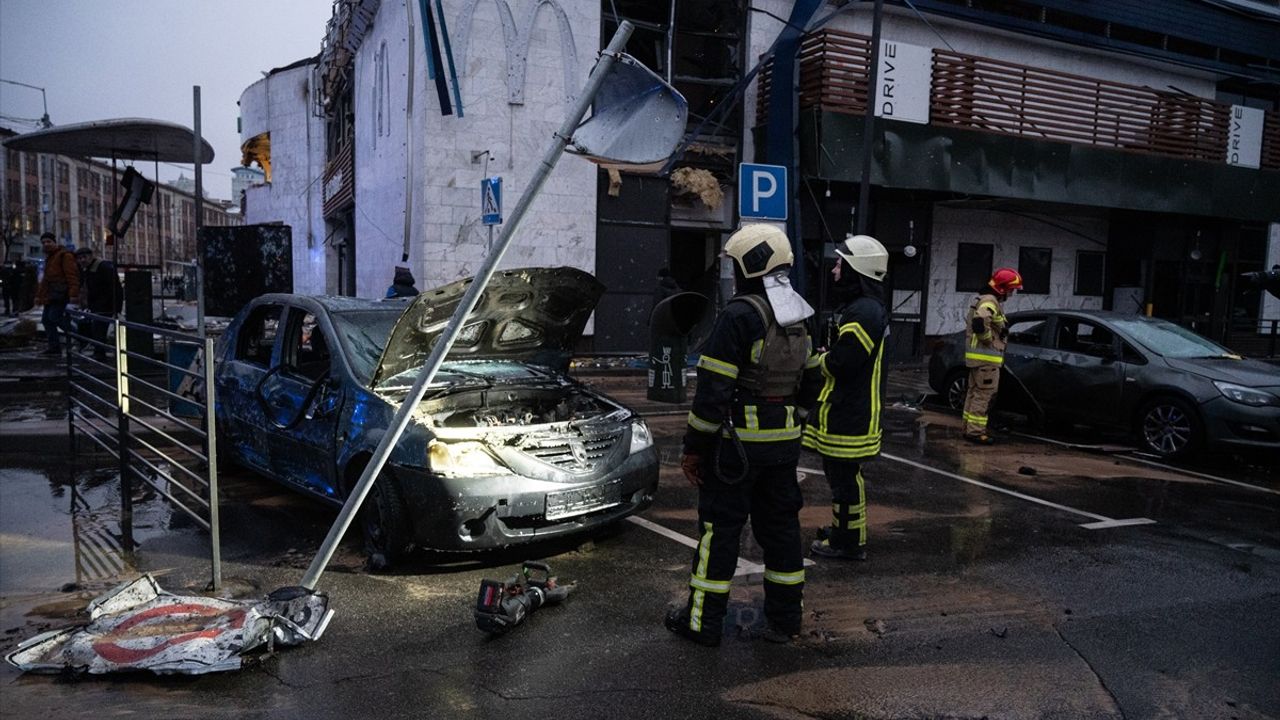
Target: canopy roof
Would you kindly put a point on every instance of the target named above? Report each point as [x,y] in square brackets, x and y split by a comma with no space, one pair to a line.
[121,138]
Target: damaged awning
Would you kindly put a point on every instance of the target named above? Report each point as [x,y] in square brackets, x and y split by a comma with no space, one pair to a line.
[120,138]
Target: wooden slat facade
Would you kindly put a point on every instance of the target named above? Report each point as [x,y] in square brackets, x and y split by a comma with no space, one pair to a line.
[978,93]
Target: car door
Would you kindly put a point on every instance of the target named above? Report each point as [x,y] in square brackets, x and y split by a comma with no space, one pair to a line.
[1084,375]
[1024,362]
[246,425]
[305,396]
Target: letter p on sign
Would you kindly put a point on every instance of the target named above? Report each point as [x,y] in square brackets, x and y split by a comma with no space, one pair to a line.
[762,192]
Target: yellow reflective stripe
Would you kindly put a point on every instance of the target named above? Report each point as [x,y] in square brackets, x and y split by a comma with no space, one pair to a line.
[857,330]
[875,393]
[994,308]
[984,357]
[784,578]
[812,362]
[752,416]
[775,435]
[715,586]
[700,572]
[756,347]
[720,367]
[846,440]
[975,419]
[856,524]
[791,416]
[701,425]
[830,383]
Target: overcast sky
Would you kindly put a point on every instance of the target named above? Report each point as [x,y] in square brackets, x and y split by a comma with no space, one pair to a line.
[99,59]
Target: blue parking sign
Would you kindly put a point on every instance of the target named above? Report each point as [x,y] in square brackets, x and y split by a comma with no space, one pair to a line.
[762,191]
[491,200]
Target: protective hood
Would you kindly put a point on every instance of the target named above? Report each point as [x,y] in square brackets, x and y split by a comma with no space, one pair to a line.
[530,314]
[788,307]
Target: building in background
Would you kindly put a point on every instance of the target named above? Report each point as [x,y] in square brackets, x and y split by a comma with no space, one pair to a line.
[243,178]
[73,198]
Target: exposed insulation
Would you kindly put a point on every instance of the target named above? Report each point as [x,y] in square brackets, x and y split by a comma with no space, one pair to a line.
[699,182]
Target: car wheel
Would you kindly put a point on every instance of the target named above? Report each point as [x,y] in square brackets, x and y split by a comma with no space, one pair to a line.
[385,519]
[956,388]
[1169,427]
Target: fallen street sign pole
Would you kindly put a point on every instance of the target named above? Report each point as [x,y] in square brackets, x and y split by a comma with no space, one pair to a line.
[467,304]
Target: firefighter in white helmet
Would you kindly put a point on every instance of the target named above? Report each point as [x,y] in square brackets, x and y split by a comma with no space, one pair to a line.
[844,423]
[742,443]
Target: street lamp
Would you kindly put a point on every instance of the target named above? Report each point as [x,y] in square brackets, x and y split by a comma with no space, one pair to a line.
[44,119]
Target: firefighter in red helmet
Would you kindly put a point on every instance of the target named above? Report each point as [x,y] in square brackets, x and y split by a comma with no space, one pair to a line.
[986,334]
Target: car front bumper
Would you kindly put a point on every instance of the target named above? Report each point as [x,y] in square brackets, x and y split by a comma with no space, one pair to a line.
[1233,424]
[453,513]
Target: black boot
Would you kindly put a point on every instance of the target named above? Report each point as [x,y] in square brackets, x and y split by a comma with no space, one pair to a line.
[677,621]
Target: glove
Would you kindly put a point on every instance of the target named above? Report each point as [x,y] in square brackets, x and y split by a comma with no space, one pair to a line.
[979,325]
[691,466]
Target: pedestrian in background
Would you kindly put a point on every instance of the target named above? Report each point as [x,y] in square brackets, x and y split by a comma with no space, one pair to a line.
[986,334]
[100,294]
[742,443]
[844,424]
[11,276]
[59,288]
[402,285]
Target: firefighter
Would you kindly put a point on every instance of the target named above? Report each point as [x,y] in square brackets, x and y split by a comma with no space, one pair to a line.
[742,443]
[844,426]
[986,334]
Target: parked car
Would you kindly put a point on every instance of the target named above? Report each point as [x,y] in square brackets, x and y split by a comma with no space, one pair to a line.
[504,448]
[1176,391]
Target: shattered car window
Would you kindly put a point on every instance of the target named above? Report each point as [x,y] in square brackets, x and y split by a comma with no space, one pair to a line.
[363,336]
[1169,340]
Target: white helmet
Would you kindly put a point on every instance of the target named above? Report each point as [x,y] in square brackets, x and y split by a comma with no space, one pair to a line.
[865,255]
[759,249]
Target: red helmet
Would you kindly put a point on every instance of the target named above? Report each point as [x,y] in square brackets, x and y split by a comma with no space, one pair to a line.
[1005,281]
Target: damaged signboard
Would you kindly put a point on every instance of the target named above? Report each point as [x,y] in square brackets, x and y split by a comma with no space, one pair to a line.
[140,627]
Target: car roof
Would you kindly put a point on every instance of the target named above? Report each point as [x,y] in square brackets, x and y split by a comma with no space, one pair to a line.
[1094,314]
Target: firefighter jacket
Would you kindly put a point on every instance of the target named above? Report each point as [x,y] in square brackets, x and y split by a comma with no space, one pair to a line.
[61,281]
[768,427]
[845,420]
[986,332]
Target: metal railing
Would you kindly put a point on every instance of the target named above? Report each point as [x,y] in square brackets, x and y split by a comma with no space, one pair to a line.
[156,417]
[1259,338]
[979,93]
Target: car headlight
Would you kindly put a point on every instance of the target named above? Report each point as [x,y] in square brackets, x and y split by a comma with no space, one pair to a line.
[463,459]
[641,438]
[1245,395]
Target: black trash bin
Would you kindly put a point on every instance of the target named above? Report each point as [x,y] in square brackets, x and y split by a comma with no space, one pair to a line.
[669,326]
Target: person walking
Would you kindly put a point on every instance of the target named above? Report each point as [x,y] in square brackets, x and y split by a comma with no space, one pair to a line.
[11,276]
[742,442]
[59,287]
[986,333]
[844,424]
[100,294]
[402,285]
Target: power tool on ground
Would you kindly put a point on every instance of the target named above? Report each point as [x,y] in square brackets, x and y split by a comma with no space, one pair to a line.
[500,606]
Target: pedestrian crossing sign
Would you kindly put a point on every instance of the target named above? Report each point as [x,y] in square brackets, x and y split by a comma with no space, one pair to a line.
[491,200]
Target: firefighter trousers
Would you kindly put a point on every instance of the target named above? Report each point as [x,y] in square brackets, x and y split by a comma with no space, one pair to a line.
[984,380]
[848,503]
[770,497]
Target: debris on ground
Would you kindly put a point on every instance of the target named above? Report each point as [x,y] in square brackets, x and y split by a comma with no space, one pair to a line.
[1026,470]
[875,626]
[140,627]
[1001,633]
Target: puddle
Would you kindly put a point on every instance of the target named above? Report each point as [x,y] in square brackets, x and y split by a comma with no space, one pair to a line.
[61,527]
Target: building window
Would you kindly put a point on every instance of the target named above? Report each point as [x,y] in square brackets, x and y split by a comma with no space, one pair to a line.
[973,266]
[1090,272]
[1034,265]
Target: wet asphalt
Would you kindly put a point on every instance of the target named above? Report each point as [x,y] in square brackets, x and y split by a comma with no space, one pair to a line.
[984,595]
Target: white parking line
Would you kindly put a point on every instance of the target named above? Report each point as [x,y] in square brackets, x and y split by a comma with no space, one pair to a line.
[746,569]
[1100,521]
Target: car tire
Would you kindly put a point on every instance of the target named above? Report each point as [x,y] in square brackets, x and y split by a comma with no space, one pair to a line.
[384,518]
[956,388]
[1169,427]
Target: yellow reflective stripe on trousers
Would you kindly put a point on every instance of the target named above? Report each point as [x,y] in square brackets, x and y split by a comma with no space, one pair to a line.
[784,578]
[975,419]
[715,586]
[700,573]
[752,417]
[980,356]
[860,333]
[791,416]
[756,347]
[719,367]
[701,425]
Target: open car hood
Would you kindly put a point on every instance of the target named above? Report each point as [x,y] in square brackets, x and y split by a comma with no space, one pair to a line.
[529,314]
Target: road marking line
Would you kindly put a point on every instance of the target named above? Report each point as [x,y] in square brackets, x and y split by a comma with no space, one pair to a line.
[1205,476]
[1102,521]
[750,570]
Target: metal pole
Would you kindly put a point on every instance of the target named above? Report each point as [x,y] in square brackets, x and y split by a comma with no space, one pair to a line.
[199,212]
[869,121]
[211,452]
[71,406]
[159,230]
[464,308]
[122,410]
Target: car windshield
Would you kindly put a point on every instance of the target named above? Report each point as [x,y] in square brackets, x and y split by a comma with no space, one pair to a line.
[364,335]
[1169,340]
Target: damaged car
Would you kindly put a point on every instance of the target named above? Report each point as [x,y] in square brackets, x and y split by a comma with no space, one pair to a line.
[1174,391]
[505,447]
